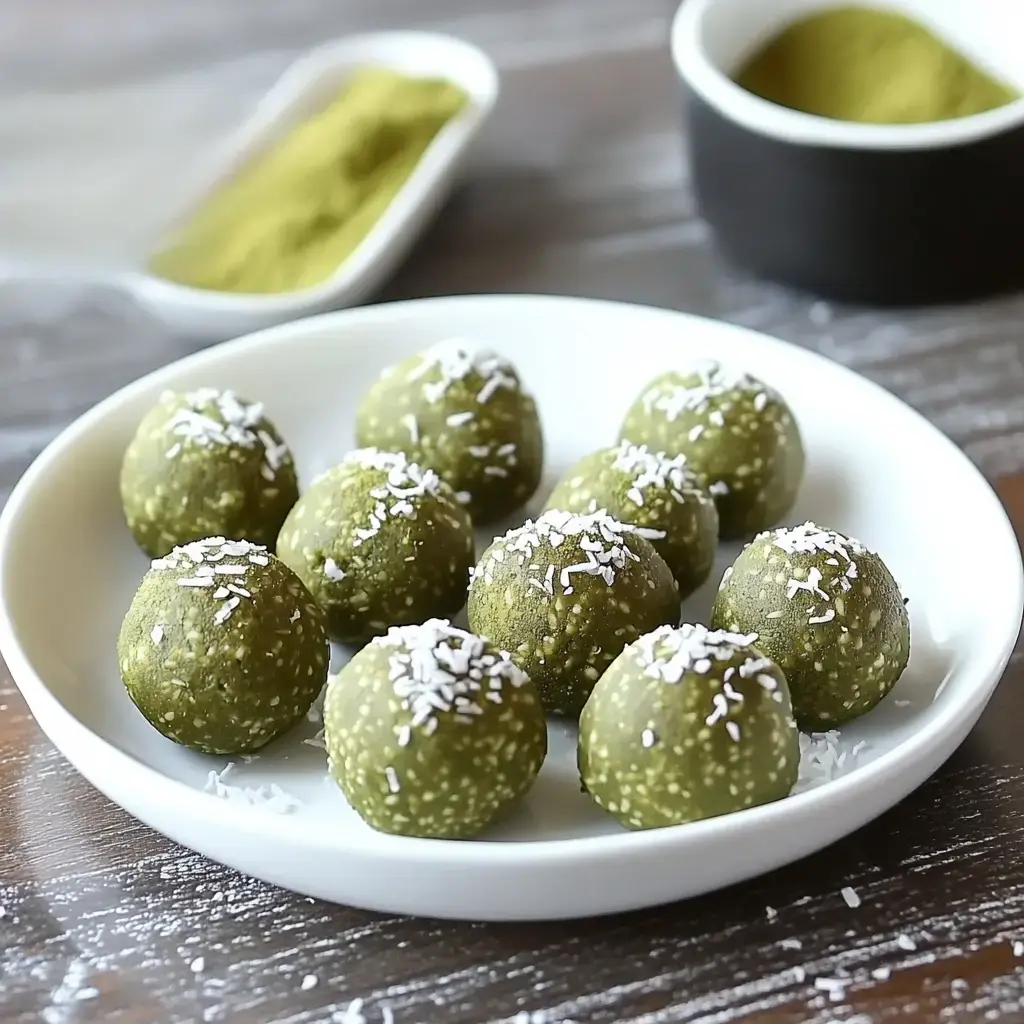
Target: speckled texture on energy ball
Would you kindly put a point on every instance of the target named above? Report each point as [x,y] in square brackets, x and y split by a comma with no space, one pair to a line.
[222,649]
[735,431]
[688,724]
[433,732]
[379,541]
[828,611]
[565,594]
[206,463]
[462,412]
[652,490]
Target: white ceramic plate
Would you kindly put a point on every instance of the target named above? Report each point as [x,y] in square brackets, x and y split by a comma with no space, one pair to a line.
[306,87]
[876,469]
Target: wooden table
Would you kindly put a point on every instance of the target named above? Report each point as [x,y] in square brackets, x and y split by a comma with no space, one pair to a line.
[580,188]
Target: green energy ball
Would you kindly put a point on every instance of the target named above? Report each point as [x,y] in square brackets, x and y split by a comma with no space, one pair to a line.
[462,413]
[827,611]
[688,724]
[379,541]
[222,648]
[432,732]
[735,431]
[565,594]
[203,464]
[651,490]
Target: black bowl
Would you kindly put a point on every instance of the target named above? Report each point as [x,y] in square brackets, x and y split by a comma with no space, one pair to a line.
[880,214]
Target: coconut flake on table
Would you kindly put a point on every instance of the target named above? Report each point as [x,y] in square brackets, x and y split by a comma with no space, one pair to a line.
[658,470]
[850,897]
[355,1013]
[455,360]
[604,541]
[238,426]
[712,381]
[835,988]
[436,668]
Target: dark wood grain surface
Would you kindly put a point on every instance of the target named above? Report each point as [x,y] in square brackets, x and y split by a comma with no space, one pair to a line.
[579,187]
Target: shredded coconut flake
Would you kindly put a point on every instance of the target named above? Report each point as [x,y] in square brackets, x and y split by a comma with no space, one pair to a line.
[603,540]
[809,537]
[215,417]
[203,561]
[668,653]
[700,387]
[269,797]
[454,360]
[397,495]
[333,571]
[351,1014]
[656,469]
[438,669]
[824,757]
[409,422]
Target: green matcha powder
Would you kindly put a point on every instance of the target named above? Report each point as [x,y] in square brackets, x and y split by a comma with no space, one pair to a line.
[872,66]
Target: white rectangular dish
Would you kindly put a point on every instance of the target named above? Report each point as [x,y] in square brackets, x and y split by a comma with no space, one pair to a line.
[306,87]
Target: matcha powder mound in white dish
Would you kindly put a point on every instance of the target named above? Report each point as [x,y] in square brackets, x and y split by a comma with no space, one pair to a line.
[688,724]
[433,732]
[735,431]
[654,491]
[565,594]
[206,463]
[379,541]
[223,649]
[461,411]
[828,611]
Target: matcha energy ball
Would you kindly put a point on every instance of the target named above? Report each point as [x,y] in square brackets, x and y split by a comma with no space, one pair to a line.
[688,724]
[461,412]
[735,431]
[222,649]
[202,464]
[649,489]
[565,594]
[379,541]
[432,732]
[827,611]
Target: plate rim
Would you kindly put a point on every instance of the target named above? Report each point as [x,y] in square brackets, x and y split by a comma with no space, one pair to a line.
[51,713]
